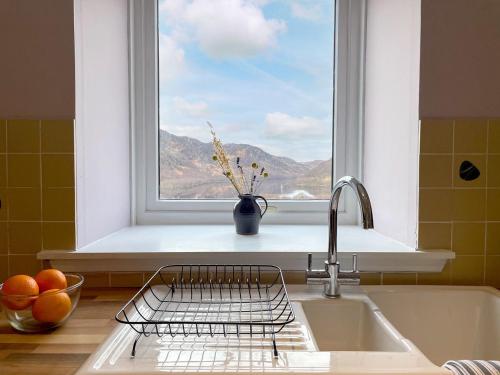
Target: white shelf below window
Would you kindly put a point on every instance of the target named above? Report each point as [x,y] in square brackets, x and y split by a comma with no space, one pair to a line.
[147,247]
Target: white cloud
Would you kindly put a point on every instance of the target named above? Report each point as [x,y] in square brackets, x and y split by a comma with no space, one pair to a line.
[282,125]
[225,28]
[193,109]
[309,12]
[171,58]
[199,131]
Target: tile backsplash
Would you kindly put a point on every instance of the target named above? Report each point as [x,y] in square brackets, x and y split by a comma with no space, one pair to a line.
[36,191]
[459,214]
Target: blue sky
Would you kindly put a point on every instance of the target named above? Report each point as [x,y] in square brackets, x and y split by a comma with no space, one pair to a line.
[261,71]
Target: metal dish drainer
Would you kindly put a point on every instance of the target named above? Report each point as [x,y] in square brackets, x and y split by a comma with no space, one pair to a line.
[210,300]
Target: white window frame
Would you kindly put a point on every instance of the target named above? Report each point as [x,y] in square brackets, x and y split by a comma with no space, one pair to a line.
[347,128]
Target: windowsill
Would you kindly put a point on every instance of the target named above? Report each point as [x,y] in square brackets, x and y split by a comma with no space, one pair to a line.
[147,247]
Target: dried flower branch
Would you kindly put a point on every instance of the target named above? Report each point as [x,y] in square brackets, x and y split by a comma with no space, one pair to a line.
[239,180]
[221,157]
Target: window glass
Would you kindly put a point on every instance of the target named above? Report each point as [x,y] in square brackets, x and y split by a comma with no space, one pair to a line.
[262,73]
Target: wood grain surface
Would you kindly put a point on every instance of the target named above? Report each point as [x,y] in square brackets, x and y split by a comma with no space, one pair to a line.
[64,350]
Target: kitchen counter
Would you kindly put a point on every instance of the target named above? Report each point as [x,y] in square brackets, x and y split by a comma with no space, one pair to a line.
[64,350]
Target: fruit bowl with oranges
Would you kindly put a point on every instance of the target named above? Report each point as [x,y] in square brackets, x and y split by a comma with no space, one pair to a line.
[41,303]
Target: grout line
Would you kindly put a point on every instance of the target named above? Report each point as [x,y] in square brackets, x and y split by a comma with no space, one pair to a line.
[8,203]
[458,153]
[457,221]
[452,229]
[41,186]
[486,203]
[449,188]
[37,221]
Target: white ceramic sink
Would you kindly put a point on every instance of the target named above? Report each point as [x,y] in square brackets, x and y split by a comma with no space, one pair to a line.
[444,322]
[350,325]
[397,330]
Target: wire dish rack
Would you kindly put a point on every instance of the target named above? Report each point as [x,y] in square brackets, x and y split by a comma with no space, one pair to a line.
[228,300]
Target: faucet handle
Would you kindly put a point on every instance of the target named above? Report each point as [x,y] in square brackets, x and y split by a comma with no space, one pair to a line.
[354,268]
[355,262]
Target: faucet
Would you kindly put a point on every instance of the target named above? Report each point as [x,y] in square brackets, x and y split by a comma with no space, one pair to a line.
[332,276]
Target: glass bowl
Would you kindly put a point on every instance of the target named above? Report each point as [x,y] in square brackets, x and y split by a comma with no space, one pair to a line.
[19,308]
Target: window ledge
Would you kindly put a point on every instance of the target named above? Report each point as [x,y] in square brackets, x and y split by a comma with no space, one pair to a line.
[147,247]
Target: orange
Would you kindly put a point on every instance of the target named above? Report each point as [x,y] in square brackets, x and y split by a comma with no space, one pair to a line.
[51,279]
[19,291]
[51,306]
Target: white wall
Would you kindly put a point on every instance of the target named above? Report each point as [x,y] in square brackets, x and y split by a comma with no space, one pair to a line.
[102,118]
[391,115]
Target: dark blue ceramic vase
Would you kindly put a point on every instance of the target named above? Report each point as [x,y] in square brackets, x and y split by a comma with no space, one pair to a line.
[247,214]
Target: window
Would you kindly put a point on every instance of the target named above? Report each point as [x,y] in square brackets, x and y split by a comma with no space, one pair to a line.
[280,82]
[262,73]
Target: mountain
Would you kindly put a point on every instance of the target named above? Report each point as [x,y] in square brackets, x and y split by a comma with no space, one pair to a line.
[188,171]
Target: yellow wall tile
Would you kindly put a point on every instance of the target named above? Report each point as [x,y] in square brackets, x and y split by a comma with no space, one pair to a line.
[4,267]
[494,136]
[467,270]
[95,279]
[435,278]
[25,237]
[58,236]
[436,136]
[24,204]
[23,136]
[4,204]
[492,277]
[371,278]
[494,170]
[435,170]
[23,170]
[434,236]
[3,136]
[435,204]
[4,239]
[24,264]
[58,171]
[493,239]
[126,279]
[58,204]
[294,277]
[469,204]
[399,278]
[57,136]
[156,279]
[3,170]
[493,210]
[479,161]
[470,136]
[468,238]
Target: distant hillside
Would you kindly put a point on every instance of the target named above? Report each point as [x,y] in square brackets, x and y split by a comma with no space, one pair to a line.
[187,170]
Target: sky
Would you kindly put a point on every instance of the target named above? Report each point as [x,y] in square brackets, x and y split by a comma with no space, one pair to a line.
[261,71]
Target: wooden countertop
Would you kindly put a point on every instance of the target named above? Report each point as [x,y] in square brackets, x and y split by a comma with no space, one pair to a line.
[64,350]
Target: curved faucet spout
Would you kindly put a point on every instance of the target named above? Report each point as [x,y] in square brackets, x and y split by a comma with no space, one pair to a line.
[332,276]
[366,212]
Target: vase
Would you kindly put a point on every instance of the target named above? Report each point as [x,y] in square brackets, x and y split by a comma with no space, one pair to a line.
[247,214]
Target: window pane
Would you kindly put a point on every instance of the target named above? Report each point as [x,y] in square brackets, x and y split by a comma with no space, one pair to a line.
[261,71]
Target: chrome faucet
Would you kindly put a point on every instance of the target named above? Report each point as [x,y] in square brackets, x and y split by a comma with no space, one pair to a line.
[332,276]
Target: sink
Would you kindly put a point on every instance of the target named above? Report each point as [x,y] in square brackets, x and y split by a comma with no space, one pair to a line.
[350,325]
[444,322]
[344,336]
